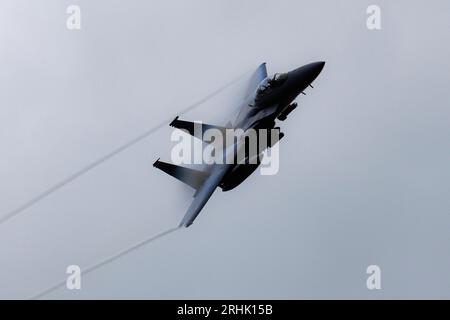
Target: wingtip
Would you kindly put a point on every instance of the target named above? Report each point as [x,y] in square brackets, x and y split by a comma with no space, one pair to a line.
[155,164]
[183,225]
[173,121]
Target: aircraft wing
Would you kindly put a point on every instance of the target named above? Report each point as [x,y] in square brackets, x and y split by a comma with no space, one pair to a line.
[204,193]
[259,75]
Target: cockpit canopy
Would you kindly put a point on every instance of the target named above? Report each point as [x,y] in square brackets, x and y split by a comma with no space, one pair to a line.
[277,80]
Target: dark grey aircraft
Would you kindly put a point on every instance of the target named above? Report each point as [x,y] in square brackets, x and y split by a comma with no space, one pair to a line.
[268,100]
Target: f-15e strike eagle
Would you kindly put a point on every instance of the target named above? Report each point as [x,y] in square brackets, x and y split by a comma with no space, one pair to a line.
[268,99]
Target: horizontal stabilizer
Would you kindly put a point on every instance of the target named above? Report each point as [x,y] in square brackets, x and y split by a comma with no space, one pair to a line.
[194,128]
[191,177]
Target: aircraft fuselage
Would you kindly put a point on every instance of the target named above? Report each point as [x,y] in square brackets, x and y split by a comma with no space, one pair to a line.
[261,109]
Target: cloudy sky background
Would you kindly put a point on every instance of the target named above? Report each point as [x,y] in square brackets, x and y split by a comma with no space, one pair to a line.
[364,176]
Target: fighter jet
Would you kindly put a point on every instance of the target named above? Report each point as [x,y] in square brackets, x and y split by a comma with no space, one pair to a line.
[268,99]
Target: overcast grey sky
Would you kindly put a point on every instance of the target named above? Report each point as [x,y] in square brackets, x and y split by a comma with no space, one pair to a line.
[364,176]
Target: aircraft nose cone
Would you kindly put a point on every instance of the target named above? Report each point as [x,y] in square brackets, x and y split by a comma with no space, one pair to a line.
[310,71]
[317,66]
[303,76]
